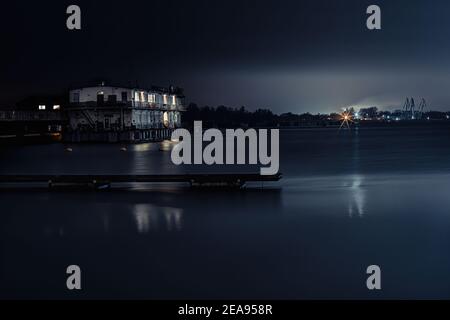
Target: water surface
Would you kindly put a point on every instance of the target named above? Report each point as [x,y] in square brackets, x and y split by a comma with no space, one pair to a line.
[347,200]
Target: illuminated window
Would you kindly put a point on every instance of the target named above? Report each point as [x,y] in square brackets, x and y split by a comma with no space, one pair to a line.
[166,119]
[174,100]
[56,107]
[165,99]
[151,98]
[41,107]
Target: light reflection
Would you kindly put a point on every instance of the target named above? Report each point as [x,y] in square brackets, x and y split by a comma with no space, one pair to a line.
[357,197]
[166,145]
[148,217]
[173,218]
[105,221]
[142,147]
[357,193]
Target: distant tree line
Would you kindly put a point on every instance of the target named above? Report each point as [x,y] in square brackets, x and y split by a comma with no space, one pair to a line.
[222,116]
[227,117]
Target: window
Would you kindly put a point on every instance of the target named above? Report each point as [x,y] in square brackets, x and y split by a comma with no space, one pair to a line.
[142,97]
[56,107]
[174,100]
[124,96]
[151,98]
[41,107]
[165,99]
[166,119]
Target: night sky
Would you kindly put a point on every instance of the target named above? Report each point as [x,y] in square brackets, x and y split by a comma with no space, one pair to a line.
[297,56]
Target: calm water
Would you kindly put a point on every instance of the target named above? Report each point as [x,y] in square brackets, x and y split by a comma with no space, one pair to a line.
[348,200]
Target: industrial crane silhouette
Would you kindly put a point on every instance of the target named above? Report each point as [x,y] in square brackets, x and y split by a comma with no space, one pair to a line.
[409,109]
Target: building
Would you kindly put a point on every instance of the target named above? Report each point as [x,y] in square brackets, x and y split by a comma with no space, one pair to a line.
[109,113]
[37,118]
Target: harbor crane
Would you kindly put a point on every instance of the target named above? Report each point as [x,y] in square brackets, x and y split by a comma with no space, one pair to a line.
[409,109]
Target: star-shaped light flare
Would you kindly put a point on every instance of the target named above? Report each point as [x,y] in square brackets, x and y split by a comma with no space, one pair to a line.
[345,118]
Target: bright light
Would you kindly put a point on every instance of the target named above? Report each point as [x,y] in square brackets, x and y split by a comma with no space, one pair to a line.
[166,119]
[346,118]
[56,107]
[42,107]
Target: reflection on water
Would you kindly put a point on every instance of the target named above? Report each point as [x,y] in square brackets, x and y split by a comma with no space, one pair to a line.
[105,221]
[142,147]
[357,193]
[148,217]
[295,241]
[166,145]
[357,196]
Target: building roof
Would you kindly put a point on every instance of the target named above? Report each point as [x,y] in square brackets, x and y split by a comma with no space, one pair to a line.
[164,90]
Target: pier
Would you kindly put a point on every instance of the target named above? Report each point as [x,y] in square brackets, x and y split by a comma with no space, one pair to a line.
[233,180]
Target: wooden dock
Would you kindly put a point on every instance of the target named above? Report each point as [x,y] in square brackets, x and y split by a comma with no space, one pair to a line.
[99,181]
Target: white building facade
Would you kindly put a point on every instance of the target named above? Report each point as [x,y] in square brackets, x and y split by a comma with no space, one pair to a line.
[119,109]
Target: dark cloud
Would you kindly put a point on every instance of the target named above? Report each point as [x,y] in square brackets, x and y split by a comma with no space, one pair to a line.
[286,55]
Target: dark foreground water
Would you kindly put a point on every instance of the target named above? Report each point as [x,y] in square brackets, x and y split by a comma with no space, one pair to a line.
[348,200]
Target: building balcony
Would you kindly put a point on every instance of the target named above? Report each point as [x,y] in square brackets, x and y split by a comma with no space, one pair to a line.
[126,104]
